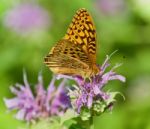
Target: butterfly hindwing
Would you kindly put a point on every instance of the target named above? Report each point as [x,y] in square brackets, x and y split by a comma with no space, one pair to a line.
[65,54]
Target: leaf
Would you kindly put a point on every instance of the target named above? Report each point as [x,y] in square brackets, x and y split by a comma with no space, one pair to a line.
[67,119]
[112,96]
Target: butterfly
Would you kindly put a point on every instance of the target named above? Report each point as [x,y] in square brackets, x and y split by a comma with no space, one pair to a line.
[75,53]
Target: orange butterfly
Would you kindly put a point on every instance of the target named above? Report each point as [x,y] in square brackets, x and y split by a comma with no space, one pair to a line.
[75,53]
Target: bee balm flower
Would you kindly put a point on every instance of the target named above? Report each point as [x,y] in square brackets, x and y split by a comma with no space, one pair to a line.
[26,17]
[45,103]
[89,96]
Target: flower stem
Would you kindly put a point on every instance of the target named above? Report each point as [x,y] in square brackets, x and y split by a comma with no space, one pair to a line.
[91,125]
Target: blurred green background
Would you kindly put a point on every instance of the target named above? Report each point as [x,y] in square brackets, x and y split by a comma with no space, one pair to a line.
[29,28]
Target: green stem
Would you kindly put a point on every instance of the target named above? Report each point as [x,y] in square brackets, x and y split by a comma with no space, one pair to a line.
[88,124]
[91,125]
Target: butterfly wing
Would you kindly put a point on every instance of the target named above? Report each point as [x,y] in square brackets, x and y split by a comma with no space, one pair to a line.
[75,54]
[67,58]
[82,32]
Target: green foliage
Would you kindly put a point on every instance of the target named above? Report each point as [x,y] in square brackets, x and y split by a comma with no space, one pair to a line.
[99,107]
[67,121]
[85,114]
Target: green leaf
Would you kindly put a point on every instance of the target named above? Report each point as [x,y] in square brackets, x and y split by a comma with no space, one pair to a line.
[85,114]
[69,114]
[112,97]
[51,123]
[70,123]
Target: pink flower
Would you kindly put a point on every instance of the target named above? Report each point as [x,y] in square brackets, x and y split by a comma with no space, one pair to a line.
[45,103]
[26,17]
[110,7]
[90,94]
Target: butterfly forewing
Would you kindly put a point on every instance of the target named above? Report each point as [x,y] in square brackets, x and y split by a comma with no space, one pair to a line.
[82,32]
